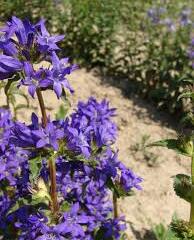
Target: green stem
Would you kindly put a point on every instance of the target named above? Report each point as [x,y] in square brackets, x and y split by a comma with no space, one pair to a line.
[192,195]
[52,167]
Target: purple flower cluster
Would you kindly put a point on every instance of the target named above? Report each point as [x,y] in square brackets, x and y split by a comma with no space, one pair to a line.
[82,186]
[156,16]
[91,126]
[22,45]
[86,167]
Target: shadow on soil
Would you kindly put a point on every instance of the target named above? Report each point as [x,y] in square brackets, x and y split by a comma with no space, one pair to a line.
[128,91]
[145,234]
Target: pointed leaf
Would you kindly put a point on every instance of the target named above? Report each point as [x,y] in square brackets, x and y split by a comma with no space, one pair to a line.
[9,83]
[186,95]
[182,186]
[65,206]
[19,203]
[181,146]
[35,166]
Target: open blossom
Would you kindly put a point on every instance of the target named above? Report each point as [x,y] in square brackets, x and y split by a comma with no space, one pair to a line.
[58,74]
[45,41]
[48,136]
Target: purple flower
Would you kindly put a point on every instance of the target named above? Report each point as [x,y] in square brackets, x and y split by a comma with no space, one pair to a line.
[94,120]
[10,164]
[77,141]
[170,24]
[155,13]
[5,118]
[22,29]
[113,228]
[8,47]
[8,65]
[81,181]
[34,79]
[58,74]
[128,179]
[48,137]
[46,42]
[73,222]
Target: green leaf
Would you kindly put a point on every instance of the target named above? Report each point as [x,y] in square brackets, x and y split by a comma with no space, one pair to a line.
[65,206]
[163,233]
[34,202]
[19,203]
[63,109]
[186,79]
[182,186]
[186,95]
[182,145]
[100,234]
[35,166]
[9,83]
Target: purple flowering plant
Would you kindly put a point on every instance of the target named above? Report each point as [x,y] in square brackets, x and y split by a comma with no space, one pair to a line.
[57,177]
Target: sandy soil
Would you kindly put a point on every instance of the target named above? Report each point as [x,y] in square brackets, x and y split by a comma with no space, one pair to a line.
[157,202]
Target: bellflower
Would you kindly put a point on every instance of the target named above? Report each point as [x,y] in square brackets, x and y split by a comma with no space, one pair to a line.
[22,29]
[128,179]
[48,137]
[8,47]
[113,228]
[58,74]
[46,42]
[8,66]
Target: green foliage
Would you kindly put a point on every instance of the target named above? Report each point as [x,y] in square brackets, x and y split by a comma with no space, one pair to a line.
[31,9]
[181,230]
[182,186]
[34,167]
[163,233]
[118,37]
[11,92]
[183,145]
[62,112]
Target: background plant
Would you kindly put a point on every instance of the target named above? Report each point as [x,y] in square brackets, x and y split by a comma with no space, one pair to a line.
[141,44]
[183,184]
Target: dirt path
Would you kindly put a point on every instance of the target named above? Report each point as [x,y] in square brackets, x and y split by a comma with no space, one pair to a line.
[157,202]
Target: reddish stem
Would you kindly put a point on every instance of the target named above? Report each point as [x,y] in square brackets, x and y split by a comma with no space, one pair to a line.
[52,167]
[115,205]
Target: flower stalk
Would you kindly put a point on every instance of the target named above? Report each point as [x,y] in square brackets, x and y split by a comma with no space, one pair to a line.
[42,107]
[52,167]
[115,205]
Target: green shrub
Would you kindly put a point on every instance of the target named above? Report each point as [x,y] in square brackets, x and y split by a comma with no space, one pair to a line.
[118,37]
